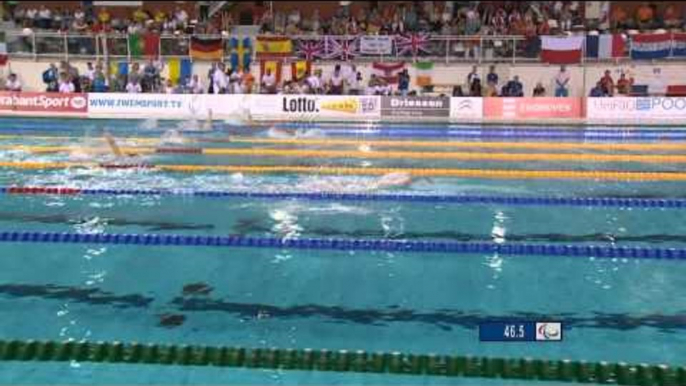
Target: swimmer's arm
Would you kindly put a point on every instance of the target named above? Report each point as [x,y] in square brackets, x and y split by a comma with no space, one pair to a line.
[112,144]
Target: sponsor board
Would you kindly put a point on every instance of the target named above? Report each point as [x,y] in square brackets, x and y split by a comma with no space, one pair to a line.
[41,103]
[376,45]
[145,105]
[526,108]
[627,108]
[466,108]
[304,107]
[415,107]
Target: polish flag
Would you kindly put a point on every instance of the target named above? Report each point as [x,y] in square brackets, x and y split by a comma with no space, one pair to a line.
[556,50]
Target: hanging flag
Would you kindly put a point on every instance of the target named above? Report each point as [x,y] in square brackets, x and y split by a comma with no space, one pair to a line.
[651,46]
[241,53]
[273,47]
[414,44]
[206,48]
[274,66]
[174,70]
[122,68]
[342,48]
[555,50]
[388,71]
[3,49]
[186,69]
[147,44]
[309,49]
[605,46]
[300,69]
[423,71]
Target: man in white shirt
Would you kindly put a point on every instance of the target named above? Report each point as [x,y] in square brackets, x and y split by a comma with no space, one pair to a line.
[90,71]
[44,17]
[219,81]
[314,81]
[473,76]
[13,84]
[134,87]
[79,15]
[65,86]
[195,85]
[336,81]
[562,83]
[181,16]
[269,82]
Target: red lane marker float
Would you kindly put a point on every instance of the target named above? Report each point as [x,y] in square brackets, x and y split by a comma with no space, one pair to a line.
[42,190]
[125,166]
[179,150]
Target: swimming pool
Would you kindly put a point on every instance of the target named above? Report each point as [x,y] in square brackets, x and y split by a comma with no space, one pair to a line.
[422,301]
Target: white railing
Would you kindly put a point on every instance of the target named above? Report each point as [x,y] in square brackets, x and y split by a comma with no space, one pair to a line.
[440,48]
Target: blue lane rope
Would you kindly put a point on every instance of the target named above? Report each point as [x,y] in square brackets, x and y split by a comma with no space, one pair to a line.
[624,202]
[346,245]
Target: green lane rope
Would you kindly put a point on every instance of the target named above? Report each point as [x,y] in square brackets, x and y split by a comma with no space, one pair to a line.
[345,361]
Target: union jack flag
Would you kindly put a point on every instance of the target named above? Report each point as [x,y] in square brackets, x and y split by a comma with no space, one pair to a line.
[309,49]
[412,44]
[340,48]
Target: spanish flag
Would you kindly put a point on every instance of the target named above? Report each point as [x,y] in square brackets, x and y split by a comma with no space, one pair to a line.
[206,49]
[273,47]
[300,69]
[274,66]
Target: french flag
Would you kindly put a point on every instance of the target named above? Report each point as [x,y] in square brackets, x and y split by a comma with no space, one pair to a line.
[561,50]
[605,46]
[651,46]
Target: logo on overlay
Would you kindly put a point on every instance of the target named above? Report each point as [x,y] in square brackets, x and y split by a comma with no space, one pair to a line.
[549,331]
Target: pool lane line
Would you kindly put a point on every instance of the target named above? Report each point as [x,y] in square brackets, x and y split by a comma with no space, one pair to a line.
[458,156]
[625,202]
[337,244]
[539,145]
[396,143]
[436,172]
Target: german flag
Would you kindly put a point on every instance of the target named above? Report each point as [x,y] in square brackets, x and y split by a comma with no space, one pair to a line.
[207,48]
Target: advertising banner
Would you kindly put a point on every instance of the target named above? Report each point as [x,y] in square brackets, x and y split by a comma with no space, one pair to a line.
[467,108]
[304,107]
[42,103]
[415,107]
[527,108]
[161,106]
[626,108]
[376,45]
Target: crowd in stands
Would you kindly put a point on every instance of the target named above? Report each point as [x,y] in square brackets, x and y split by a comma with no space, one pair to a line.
[438,17]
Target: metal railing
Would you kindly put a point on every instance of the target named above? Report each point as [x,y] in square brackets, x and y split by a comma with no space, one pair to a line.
[439,48]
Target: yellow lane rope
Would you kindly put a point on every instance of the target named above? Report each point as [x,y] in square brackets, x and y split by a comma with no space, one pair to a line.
[467,144]
[467,173]
[392,143]
[544,157]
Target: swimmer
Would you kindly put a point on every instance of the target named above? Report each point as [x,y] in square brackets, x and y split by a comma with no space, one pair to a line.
[390,180]
[172,136]
[396,179]
[114,148]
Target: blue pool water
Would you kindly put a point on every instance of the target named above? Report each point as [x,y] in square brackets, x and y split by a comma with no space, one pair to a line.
[613,309]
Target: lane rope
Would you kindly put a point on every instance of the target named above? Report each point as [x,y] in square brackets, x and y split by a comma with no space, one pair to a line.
[333,244]
[396,143]
[544,157]
[626,202]
[436,172]
[356,361]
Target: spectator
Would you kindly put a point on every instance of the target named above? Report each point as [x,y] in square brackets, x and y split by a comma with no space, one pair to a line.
[169,87]
[475,88]
[314,82]
[219,79]
[66,86]
[50,78]
[607,83]
[44,17]
[104,16]
[597,91]
[336,81]
[671,18]
[181,17]
[12,83]
[79,14]
[515,87]
[195,85]
[355,84]
[404,82]
[562,83]
[623,85]
[135,73]
[457,91]
[539,91]
[99,81]
[151,77]
[79,26]
[90,71]
[248,81]
[492,77]
[133,86]
[490,90]
[31,17]
[268,82]
[472,76]
[644,16]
